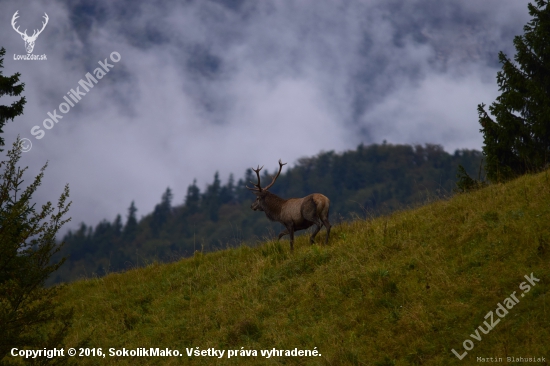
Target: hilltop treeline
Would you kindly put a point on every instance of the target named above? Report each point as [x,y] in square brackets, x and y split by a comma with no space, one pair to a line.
[368,181]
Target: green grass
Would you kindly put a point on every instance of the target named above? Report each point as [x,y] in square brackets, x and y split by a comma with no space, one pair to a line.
[398,290]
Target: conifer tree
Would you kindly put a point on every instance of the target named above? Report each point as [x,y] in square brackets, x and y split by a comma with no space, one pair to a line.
[166,200]
[227,192]
[162,212]
[8,87]
[29,316]
[130,229]
[241,193]
[117,226]
[192,198]
[211,198]
[517,140]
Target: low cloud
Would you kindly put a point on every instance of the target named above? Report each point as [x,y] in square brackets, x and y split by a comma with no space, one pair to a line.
[221,86]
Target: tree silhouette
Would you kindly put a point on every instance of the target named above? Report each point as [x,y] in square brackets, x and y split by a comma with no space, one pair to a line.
[518,139]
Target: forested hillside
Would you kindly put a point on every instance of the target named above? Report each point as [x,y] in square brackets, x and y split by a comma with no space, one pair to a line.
[368,181]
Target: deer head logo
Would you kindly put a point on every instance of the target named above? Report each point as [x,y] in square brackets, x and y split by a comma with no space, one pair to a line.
[29,41]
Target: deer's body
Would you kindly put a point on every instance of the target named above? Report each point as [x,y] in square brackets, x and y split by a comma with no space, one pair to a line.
[294,213]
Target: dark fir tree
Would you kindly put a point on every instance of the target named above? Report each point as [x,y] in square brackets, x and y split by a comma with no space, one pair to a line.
[130,229]
[227,193]
[103,235]
[517,140]
[8,87]
[241,192]
[29,315]
[117,226]
[79,242]
[162,212]
[211,198]
[192,198]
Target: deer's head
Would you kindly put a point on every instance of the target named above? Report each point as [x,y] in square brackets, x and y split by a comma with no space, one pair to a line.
[256,206]
[29,40]
[261,193]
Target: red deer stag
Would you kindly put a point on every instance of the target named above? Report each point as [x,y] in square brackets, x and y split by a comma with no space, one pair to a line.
[294,213]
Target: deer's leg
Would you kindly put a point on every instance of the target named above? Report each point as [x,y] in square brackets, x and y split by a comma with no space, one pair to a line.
[291,233]
[283,233]
[309,213]
[327,225]
[318,226]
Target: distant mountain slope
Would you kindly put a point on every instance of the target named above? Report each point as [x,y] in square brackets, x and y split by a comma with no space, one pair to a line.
[402,289]
[368,181]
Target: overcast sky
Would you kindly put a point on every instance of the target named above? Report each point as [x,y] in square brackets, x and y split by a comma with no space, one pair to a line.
[206,86]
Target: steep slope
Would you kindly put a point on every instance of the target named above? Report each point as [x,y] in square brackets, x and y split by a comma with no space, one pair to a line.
[404,289]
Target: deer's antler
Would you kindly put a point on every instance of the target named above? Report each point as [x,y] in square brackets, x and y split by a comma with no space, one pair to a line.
[257,187]
[277,176]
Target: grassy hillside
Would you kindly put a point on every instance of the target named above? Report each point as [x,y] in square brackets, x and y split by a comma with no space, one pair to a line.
[398,290]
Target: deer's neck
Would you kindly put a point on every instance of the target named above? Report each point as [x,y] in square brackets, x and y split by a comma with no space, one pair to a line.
[273,206]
